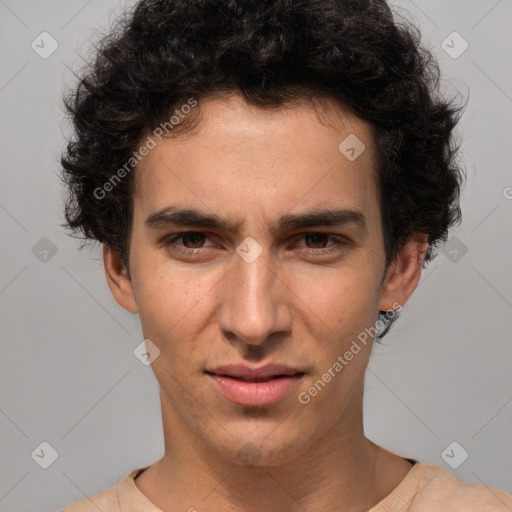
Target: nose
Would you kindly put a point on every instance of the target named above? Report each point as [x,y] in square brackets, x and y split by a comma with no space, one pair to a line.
[254,304]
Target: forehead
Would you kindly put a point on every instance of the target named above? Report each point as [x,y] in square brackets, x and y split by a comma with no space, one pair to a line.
[242,159]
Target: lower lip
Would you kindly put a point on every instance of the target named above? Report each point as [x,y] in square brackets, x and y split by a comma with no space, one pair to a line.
[255,394]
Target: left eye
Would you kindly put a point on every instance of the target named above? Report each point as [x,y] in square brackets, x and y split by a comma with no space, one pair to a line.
[320,239]
[317,238]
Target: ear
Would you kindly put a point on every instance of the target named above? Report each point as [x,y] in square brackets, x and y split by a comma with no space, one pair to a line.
[404,273]
[118,279]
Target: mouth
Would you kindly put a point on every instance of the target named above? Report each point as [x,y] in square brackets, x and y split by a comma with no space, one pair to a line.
[248,387]
[263,379]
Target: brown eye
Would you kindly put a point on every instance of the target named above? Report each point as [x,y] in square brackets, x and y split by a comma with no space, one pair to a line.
[321,244]
[189,242]
[317,239]
[194,239]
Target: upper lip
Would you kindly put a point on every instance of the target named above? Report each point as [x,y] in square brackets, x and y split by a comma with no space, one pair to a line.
[246,372]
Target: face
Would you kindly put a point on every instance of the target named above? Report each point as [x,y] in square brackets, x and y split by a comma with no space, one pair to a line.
[253,290]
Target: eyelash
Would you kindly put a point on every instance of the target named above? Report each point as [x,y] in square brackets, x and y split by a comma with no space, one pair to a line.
[340,242]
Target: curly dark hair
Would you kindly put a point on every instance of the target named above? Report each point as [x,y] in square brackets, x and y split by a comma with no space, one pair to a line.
[164,52]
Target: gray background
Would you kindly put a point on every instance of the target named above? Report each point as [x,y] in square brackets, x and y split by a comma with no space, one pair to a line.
[68,373]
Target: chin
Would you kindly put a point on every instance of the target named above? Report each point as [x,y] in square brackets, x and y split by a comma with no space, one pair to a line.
[264,449]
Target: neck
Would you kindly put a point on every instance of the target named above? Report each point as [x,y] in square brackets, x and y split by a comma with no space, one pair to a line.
[342,467]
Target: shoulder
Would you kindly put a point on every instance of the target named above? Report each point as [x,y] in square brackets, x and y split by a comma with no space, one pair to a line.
[438,487]
[106,501]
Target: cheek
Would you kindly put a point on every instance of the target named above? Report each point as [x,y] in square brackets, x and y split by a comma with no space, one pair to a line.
[343,299]
[173,302]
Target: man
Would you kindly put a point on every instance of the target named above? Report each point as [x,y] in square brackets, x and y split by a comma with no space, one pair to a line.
[267,180]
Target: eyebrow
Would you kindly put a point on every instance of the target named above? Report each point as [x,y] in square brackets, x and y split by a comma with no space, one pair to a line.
[192,218]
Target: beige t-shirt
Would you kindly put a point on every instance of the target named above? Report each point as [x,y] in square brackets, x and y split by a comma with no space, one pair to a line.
[425,488]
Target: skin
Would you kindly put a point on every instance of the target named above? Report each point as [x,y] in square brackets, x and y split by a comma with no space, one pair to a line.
[251,166]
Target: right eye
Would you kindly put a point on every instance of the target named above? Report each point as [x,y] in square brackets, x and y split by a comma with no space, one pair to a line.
[194,238]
